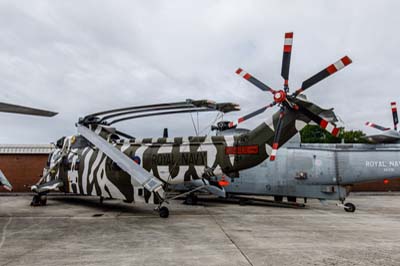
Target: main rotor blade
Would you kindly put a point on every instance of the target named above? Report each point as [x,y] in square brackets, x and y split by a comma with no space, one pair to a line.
[369,124]
[278,131]
[253,80]
[345,61]
[19,109]
[252,114]
[394,113]
[287,51]
[324,124]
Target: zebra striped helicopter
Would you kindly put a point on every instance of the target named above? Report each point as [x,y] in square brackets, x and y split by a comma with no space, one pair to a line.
[103,161]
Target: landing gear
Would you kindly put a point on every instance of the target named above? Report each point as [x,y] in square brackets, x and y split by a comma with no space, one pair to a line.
[163,212]
[39,200]
[191,199]
[101,200]
[349,207]
[243,202]
[278,198]
[291,199]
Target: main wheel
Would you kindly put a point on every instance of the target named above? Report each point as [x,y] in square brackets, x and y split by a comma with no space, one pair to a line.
[164,212]
[35,201]
[191,199]
[43,200]
[278,198]
[291,199]
[349,207]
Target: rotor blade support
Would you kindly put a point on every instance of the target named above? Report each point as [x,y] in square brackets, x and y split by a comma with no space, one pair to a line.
[138,174]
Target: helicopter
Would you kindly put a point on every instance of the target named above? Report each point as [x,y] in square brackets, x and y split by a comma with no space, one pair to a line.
[388,135]
[25,110]
[103,161]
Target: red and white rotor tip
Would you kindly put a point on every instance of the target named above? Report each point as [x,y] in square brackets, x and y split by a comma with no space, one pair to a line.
[338,65]
[272,156]
[334,131]
[243,73]
[287,47]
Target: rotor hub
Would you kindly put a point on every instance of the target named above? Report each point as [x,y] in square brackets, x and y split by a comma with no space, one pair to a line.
[279,96]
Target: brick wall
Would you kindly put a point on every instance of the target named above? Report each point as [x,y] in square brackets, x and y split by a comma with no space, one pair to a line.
[22,170]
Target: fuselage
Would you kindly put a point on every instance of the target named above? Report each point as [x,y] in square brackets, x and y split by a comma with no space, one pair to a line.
[319,170]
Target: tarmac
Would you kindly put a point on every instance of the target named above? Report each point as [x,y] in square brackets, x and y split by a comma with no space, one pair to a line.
[80,231]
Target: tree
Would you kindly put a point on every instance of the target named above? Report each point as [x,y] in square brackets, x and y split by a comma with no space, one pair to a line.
[315,134]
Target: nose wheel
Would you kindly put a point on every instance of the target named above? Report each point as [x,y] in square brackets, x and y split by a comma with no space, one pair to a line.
[39,200]
[349,207]
[163,212]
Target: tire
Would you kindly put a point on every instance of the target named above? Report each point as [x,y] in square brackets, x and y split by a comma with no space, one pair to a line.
[278,198]
[164,212]
[43,200]
[35,201]
[191,199]
[291,199]
[349,207]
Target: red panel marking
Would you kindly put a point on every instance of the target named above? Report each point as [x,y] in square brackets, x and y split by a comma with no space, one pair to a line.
[393,103]
[275,146]
[385,181]
[252,149]
[331,69]
[239,70]
[231,124]
[289,35]
[346,60]
[223,183]
[272,158]
[323,123]
[286,82]
[247,76]
[287,48]
[240,120]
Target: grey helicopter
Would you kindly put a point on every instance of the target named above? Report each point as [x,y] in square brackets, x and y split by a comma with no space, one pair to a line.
[311,171]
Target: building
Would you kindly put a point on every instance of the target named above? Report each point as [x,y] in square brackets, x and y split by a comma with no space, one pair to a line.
[23,164]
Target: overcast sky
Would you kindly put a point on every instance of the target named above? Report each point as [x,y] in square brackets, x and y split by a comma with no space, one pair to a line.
[78,57]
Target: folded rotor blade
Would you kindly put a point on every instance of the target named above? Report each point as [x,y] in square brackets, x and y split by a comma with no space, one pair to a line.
[278,131]
[252,114]
[287,51]
[324,124]
[394,113]
[18,109]
[4,182]
[369,124]
[253,80]
[139,175]
[345,61]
